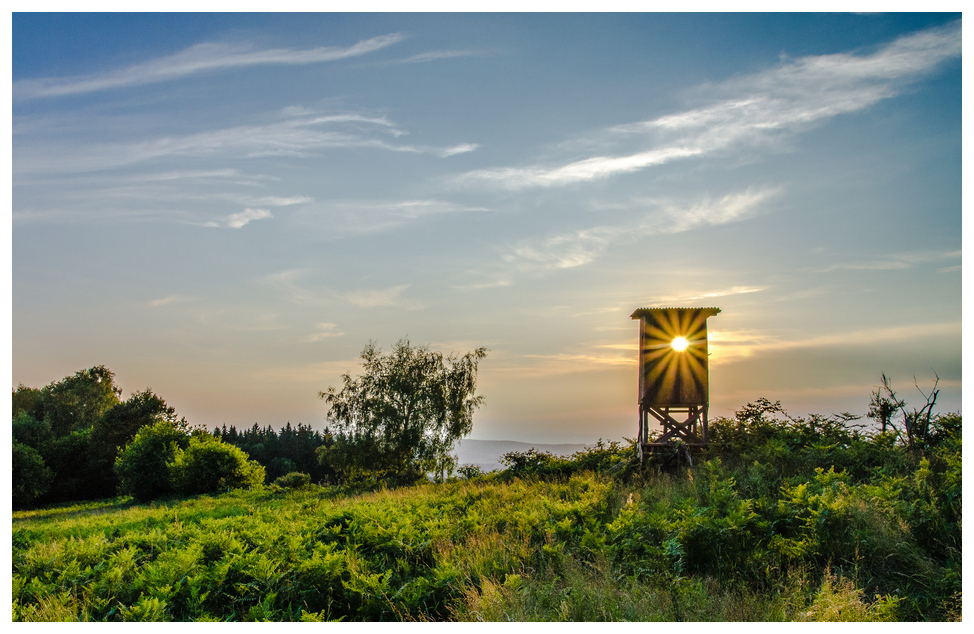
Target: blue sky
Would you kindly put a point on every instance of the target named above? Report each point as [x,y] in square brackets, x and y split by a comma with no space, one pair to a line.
[227,207]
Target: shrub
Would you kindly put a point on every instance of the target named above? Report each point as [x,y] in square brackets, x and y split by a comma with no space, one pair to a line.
[294,480]
[208,465]
[143,468]
[116,429]
[470,471]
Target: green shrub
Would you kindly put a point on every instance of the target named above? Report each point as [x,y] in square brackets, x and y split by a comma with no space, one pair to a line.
[470,471]
[294,480]
[208,465]
[143,468]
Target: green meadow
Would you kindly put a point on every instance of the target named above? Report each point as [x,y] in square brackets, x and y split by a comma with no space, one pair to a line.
[780,519]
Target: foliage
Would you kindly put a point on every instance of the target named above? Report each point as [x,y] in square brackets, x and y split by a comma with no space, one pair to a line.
[917,425]
[604,457]
[77,429]
[77,425]
[207,465]
[26,400]
[293,448]
[32,432]
[76,402]
[115,430]
[67,458]
[470,471]
[294,480]
[144,466]
[781,519]
[400,418]
[31,478]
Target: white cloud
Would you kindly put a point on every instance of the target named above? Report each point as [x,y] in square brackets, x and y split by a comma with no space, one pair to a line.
[295,132]
[584,170]
[581,247]
[238,220]
[195,59]
[462,148]
[733,290]
[752,111]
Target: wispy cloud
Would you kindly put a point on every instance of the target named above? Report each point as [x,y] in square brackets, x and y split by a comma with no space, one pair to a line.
[195,59]
[432,56]
[581,247]
[164,301]
[897,261]
[726,292]
[572,362]
[289,282]
[300,133]
[584,170]
[325,331]
[753,111]
[238,220]
[376,298]
[462,148]
[729,345]
[355,217]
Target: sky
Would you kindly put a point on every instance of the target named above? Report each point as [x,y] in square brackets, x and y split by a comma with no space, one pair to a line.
[226,208]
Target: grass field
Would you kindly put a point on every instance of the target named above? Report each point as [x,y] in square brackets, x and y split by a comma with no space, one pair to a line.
[857,529]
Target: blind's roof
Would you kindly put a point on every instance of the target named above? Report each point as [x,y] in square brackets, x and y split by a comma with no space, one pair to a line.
[644,312]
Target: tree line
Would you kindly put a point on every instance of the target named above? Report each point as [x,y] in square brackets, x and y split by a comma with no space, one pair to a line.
[76,439]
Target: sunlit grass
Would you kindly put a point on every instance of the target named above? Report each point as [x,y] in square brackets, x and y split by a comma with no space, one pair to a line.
[728,539]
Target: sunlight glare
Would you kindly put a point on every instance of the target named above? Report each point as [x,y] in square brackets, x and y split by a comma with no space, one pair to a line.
[679,344]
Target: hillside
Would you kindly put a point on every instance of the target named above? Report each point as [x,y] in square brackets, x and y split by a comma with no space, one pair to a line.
[779,520]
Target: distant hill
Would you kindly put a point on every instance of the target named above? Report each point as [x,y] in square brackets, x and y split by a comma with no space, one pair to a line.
[486,454]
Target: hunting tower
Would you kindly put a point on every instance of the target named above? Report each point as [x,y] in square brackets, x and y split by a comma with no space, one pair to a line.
[673,375]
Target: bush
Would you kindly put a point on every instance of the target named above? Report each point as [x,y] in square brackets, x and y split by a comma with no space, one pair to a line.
[116,429]
[208,465]
[294,480]
[470,471]
[144,467]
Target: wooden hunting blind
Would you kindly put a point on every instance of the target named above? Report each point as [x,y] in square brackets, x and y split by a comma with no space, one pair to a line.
[673,375]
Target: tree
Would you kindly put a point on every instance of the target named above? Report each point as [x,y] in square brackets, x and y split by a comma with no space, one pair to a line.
[76,402]
[26,399]
[31,478]
[32,432]
[115,430]
[916,424]
[401,417]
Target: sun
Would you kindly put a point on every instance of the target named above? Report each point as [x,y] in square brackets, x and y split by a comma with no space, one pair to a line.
[680,344]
